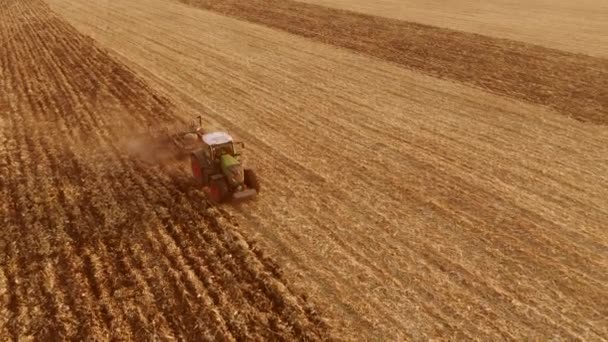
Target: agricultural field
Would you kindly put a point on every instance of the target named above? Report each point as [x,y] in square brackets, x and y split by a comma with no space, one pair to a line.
[575,26]
[97,243]
[417,182]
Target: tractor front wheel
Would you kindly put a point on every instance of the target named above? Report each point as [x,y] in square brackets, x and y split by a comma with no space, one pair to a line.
[251,180]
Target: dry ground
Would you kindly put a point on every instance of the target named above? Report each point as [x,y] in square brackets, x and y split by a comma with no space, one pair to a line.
[405,206]
[98,244]
[575,26]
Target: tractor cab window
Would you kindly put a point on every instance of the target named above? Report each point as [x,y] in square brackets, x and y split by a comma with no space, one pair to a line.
[222,149]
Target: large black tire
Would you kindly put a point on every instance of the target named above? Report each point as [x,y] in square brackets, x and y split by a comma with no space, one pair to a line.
[251,180]
[218,191]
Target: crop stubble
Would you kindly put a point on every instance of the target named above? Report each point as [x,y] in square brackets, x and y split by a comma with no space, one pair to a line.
[407,206]
[97,243]
[575,26]
[574,84]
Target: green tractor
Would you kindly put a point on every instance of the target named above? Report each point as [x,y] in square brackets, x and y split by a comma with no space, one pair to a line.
[216,166]
[216,163]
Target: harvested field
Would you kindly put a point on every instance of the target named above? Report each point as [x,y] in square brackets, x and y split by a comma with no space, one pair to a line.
[99,244]
[411,190]
[574,26]
[573,84]
[404,205]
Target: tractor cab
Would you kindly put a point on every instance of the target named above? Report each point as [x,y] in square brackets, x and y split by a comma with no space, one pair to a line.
[218,144]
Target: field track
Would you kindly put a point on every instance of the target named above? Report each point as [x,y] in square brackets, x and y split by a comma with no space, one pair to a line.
[98,244]
[406,206]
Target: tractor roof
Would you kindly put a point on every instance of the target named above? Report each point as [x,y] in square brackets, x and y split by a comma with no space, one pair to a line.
[216,138]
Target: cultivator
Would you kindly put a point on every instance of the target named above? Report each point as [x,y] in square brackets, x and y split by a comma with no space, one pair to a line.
[215,161]
[185,140]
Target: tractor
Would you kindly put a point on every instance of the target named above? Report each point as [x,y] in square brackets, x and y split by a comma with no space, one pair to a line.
[216,163]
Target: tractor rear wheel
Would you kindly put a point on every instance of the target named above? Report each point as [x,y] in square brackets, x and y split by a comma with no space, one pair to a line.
[217,191]
[251,180]
[197,173]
